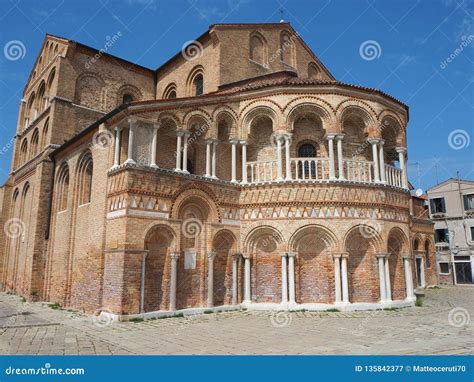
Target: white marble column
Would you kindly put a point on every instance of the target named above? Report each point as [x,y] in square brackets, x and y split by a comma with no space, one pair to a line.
[142,284]
[401,159]
[131,142]
[179,136]
[388,289]
[173,279]
[381,266]
[244,161]
[287,138]
[375,158]
[291,278]
[235,275]
[208,157]
[332,167]
[154,141]
[214,159]
[233,143]
[210,279]
[337,277]
[340,162]
[284,279]
[247,281]
[382,162]
[278,139]
[118,146]
[408,277]
[185,152]
[344,278]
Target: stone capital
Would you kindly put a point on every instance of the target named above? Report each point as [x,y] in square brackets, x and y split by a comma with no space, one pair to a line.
[283,254]
[340,137]
[400,149]
[175,255]
[330,136]
[211,255]
[132,121]
[382,255]
[118,128]
[373,141]
[233,141]
[406,256]
[243,142]
[291,254]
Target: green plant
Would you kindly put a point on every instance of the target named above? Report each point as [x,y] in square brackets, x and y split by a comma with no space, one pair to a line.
[136,319]
[434,287]
[34,293]
[208,312]
[419,302]
[55,306]
[332,310]
[391,309]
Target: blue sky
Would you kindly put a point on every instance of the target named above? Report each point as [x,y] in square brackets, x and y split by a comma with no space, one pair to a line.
[424,56]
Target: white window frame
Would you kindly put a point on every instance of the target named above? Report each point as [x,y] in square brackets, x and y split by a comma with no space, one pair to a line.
[439,268]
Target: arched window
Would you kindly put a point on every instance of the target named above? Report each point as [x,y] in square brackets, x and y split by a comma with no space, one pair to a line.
[286,48]
[170,92]
[62,188]
[34,143]
[313,71]
[24,151]
[49,87]
[258,48]
[44,134]
[127,98]
[29,113]
[41,104]
[198,85]
[85,178]
[307,168]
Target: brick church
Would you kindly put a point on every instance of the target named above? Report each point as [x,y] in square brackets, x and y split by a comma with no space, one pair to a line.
[240,173]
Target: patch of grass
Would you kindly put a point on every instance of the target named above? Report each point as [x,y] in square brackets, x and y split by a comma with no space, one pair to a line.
[332,310]
[34,293]
[208,312]
[434,287]
[390,309]
[136,319]
[55,306]
[419,302]
[23,299]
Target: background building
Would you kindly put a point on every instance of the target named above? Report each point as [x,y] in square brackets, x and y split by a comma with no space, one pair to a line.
[451,205]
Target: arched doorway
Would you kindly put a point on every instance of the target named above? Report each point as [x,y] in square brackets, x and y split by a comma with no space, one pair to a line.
[159,242]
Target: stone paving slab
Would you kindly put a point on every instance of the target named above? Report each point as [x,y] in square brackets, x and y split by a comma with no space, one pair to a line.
[442,326]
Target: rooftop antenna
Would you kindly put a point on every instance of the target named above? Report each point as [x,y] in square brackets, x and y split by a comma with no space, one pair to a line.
[281,15]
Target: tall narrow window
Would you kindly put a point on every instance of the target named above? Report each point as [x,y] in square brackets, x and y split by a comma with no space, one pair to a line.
[34,143]
[85,178]
[62,188]
[198,85]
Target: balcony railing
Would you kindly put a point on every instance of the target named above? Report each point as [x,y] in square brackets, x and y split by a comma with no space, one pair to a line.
[317,170]
[310,168]
[393,176]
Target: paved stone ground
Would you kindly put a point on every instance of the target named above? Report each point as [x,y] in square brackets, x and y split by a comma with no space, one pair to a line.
[443,325]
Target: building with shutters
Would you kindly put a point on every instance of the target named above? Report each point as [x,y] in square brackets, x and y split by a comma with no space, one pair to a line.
[451,206]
